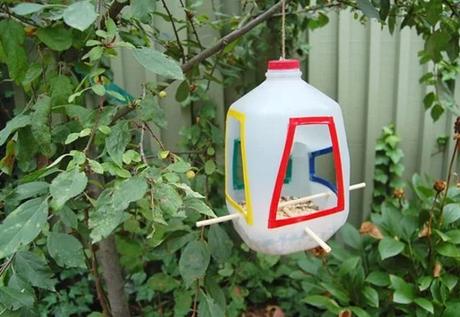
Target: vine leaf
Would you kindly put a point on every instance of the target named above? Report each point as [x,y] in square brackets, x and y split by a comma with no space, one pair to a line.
[67,185]
[22,225]
[30,267]
[80,15]
[158,63]
[66,250]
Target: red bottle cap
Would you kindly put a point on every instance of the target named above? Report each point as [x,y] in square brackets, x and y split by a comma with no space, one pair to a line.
[282,64]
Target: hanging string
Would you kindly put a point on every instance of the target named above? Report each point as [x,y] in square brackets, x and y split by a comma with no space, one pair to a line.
[283,29]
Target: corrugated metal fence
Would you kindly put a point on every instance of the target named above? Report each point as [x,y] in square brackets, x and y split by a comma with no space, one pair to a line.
[373,75]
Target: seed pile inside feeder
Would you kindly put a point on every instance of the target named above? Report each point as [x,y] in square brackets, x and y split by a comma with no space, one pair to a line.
[296,210]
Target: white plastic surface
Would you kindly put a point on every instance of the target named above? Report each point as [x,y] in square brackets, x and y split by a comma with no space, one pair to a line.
[267,110]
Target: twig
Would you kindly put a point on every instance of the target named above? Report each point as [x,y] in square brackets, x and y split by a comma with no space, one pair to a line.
[163,148]
[189,16]
[141,144]
[6,265]
[232,36]
[176,34]
[94,128]
[449,172]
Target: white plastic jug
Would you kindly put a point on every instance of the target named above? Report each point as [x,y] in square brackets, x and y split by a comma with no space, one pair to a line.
[286,140]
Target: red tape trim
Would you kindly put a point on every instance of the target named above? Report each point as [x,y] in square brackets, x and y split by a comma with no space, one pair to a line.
[293,123]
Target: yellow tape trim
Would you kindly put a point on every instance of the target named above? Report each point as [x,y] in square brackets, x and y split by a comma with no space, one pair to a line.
[248,213]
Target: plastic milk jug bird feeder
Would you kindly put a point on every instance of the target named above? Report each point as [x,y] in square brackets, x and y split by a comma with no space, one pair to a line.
[287,168]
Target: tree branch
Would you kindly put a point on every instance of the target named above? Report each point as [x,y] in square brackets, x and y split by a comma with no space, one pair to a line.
[176,34]
[230,37]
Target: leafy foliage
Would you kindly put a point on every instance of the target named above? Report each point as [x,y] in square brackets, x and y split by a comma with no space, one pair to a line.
[389,168]
[76,173]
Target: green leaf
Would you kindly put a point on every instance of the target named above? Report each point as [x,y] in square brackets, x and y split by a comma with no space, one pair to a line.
[98,89]
[428,100]
[182,91]
[117,142]
[158,63]
[80,15]
[33,269]
[66,250]
[57,38]
[22,225]
[404,292]
[209,167]
[389,247]
[208,307]
[104,129]
[194,261]
[322,302]
[67,185]
[425,304]
[368,9]
[200,206]
[359,311]
[27,8]
[179,167]
[71,138]
[350,236]
[129,191]
[436,112]
[105,217]
[131,156]
[378,278]
[14,299]
[454,236]
[219,243]
[141,9]
[162,283]
[436,43]
[12,38]
[168,198]
[31,189]
[452,309]
[68,217]
[40,123]
[449,250]
[150,110]
[33,72]
[451,213]
[424,282]
[95,166]
[183,302]
[12,125]
[371,296]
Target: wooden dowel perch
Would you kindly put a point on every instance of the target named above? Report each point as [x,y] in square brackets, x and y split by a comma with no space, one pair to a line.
[318,240]
[281,205]
[319,195]
[218,219]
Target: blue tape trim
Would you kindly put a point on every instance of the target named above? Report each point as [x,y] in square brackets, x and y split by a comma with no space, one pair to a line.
[313,155]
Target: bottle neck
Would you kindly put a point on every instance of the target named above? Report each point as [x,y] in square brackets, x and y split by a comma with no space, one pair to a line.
[283,74]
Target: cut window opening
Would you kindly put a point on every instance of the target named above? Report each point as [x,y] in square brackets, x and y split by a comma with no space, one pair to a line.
[316,185]
[237,172]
